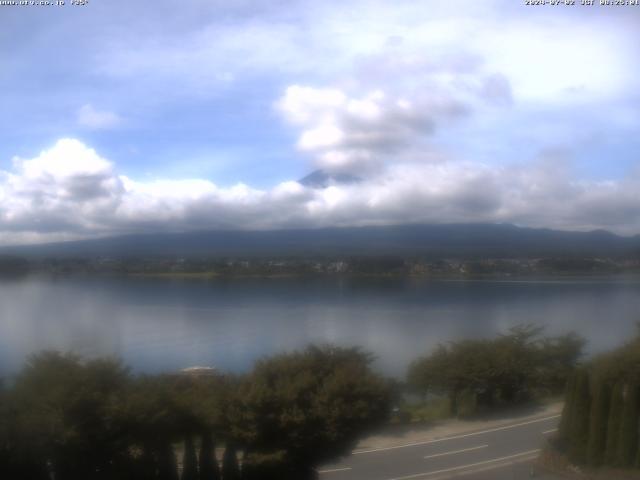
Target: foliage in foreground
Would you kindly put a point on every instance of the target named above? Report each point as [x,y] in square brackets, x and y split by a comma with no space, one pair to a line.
[87,420]
[503,370]
[599,424]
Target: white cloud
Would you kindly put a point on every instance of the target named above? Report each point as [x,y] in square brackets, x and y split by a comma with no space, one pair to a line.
[344,133]
[361,132]
[325,40]
[87,116]
[70,191]
[68,158]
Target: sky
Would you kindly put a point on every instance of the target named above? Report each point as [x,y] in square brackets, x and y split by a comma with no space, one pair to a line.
[162,116]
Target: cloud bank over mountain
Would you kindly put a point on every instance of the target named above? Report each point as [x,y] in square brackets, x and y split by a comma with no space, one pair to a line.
[70,191]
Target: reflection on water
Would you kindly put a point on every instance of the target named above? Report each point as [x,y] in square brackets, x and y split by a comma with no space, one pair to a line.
[158,324]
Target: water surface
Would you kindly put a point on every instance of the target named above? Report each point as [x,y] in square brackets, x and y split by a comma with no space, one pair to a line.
[164,324]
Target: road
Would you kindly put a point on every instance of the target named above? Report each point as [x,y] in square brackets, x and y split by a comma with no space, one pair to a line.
[503,452]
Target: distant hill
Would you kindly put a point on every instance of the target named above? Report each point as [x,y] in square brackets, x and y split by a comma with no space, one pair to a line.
[447,240]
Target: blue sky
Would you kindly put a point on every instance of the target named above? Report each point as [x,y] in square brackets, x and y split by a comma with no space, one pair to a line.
[203,114]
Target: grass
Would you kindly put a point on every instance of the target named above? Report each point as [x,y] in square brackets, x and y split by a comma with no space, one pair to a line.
[438,408]
[422,412]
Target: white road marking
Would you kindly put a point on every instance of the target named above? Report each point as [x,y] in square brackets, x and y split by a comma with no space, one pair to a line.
[550,431]
[455,437]
[486,468]
[470,465]
[332,470]
[456,451]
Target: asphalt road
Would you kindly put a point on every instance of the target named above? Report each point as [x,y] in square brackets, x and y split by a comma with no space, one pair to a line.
[504,452]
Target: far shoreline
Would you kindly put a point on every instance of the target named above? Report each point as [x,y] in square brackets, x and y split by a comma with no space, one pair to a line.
[560,277]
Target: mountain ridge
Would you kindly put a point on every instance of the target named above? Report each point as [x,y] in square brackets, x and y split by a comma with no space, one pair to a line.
[434,240]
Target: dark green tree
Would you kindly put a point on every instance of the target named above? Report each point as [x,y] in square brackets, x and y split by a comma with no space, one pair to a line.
[230,468]
[208,463]
[189,460]
[67,411]
[154,421]
[167,467]
[145,466]
[435,373]
[516,361]
[204,403]
[313,405]
[614,423]
[564,428]
[503,370]
[628,440]
[557,359]
[579,428]
[460,367]
[270,466]
[20,456]
[598,423]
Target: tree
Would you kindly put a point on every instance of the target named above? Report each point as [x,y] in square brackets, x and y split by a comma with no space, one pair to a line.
[579,428]
[313,405]
[167,467]
[502,370]
[465,366]
[154,420]
[230,468]
[628,440]
[558,357]
[270,466]
[564,429]
[517,357]
[208,464]
[202,405]
[613,423]
[190,460]
[20,456]
[67,410]
[433,374]
[598,423]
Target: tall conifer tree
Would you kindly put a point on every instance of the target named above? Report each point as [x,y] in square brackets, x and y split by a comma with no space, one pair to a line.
[598,423]
[579,428]
[208,462]
[189,461]
[230,468]
[628,440]
[613,424]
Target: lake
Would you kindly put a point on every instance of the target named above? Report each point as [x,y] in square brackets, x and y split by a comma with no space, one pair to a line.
[165,324]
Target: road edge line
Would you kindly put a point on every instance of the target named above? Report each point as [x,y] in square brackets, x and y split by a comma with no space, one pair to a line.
[455,437]
[528,453]
[470,449]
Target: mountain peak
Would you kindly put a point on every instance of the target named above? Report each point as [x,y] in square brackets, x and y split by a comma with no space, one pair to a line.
[323,179]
